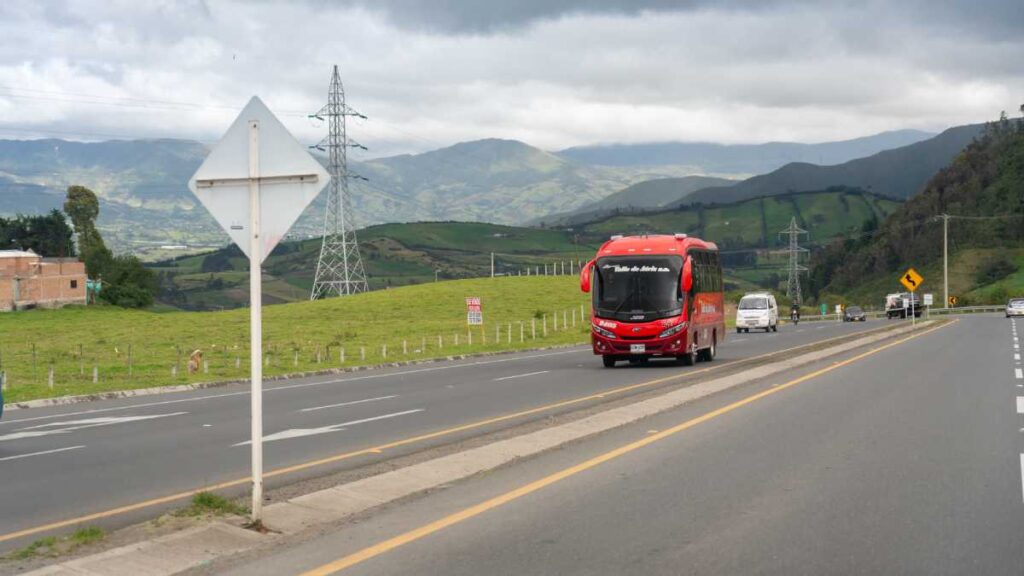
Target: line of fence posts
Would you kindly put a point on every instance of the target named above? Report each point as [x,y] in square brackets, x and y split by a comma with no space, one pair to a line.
[568,318]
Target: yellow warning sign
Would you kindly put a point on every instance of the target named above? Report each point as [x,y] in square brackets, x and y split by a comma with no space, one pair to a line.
[911,280]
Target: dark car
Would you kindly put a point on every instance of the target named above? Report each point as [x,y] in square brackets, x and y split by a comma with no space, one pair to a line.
[854,314]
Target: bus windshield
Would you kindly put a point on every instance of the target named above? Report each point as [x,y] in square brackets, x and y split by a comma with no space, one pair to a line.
[638,288]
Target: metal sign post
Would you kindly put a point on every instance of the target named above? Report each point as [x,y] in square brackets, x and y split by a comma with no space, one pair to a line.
[256,182]
[255,320]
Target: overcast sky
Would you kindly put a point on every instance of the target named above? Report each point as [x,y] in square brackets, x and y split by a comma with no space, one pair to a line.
[553,73]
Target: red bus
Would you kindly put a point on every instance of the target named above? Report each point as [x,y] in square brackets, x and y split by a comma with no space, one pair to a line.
[655,295]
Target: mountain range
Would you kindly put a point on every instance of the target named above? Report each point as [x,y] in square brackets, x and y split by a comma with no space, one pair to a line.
[710,158]
[145,202]
[897,173]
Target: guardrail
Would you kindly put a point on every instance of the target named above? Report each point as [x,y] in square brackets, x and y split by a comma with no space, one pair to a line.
[930,311]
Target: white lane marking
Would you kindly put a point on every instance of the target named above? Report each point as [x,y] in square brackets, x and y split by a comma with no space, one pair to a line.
[1016,356]
[1018,373]
[290,386]
[72,425]
[522,375]
[315,408]
[1022,475]
[737,340]
[6,458]
[301,432]
[1020,404]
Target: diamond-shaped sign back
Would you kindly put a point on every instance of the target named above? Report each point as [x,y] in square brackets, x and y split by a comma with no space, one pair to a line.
[288,175]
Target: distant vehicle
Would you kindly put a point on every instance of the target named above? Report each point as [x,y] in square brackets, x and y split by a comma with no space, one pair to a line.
[900,304]
[1015,307]
[854,314]
[655,295]
[757,310]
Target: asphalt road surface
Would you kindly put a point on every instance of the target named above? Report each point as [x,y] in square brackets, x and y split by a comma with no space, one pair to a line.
[908,460]
[67,462]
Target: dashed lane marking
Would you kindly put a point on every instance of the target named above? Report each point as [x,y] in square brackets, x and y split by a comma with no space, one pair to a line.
[353,402]
[522,375]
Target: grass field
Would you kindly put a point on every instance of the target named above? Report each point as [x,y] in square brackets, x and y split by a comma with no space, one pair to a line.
[139,349]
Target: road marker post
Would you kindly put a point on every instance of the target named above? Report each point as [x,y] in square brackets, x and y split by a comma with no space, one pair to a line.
[256,182]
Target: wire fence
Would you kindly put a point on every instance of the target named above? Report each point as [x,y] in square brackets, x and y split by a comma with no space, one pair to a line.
[37,369]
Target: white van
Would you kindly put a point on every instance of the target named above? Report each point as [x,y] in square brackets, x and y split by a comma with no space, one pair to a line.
[757,310]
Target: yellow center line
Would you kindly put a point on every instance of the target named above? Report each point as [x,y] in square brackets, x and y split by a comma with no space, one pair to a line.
[170,498]
[477,509]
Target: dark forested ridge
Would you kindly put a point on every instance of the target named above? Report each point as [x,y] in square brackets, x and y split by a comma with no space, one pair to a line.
[983,192]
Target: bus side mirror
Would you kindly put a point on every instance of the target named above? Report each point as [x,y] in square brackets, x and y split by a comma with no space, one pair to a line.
[687,275]
[585,276]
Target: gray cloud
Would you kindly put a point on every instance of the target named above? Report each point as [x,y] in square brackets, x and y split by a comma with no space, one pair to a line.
[553,74]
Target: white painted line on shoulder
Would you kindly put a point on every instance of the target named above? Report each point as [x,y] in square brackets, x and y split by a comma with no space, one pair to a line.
[1020,404]
[522,375]
[1016,356]
[16,457]
[340,404]
[1018,373]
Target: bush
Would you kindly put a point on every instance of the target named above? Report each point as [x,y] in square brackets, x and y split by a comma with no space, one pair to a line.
[995,270]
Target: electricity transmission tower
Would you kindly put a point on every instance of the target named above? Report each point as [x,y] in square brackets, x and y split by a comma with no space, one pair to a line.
[339,270]
[793,285]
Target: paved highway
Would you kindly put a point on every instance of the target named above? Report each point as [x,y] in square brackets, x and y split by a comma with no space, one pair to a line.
[905,461]
[63,463]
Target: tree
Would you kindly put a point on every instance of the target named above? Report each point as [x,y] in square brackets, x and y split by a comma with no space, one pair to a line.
[126,282]
[83,208]
[47,235]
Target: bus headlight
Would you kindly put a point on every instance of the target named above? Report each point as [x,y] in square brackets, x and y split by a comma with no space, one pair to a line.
[672,330]
[602,332]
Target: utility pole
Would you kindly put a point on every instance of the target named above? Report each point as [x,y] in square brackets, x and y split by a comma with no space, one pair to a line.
[339,270]
[793,284]
[945,260]
[492,264]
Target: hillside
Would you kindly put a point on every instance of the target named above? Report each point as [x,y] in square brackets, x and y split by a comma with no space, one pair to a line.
[393,254]
[755,223]
[646,195]
[402,254]
[703,157]
[500,181]
[140,183]
[983,189]
[897,173]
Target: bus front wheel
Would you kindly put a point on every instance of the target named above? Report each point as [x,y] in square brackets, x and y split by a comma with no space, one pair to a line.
[690,358]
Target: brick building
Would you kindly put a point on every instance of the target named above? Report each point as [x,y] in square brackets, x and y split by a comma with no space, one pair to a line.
[28,280]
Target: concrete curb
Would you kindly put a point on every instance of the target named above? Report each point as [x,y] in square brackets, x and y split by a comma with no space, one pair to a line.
[199,545]
[117,394]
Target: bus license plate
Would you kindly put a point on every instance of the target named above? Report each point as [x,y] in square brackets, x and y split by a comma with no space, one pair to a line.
[637,348]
